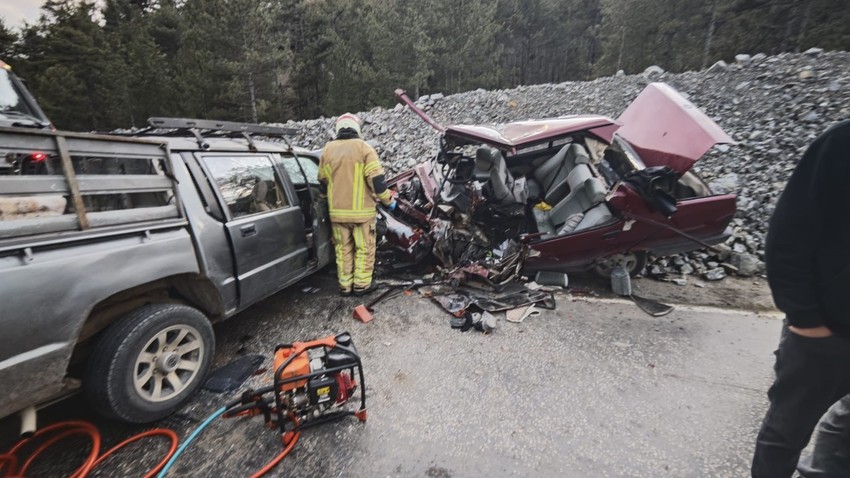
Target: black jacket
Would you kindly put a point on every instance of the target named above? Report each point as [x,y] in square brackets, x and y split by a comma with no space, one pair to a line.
[808,242]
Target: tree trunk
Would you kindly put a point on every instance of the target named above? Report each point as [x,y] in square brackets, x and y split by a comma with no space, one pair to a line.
[709,36]
[803,24]
[793,15]
[622,45]
[253,92]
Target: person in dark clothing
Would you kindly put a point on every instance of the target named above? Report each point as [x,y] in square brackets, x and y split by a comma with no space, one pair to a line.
[808,269]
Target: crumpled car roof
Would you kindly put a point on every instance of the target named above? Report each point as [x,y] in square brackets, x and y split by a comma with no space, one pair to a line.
[520,134]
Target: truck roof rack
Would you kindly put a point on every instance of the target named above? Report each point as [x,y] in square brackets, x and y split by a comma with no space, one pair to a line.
[200,128]
[220,126]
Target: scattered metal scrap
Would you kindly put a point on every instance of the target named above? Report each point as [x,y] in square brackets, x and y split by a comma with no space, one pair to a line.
[621,284]
[475,308]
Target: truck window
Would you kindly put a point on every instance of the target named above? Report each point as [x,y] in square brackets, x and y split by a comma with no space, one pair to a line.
[248,184]
[311,169]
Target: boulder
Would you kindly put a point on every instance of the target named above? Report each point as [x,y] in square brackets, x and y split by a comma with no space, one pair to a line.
[747,264]
[742,59]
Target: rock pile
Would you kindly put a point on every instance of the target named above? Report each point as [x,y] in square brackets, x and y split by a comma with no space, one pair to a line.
[772,106]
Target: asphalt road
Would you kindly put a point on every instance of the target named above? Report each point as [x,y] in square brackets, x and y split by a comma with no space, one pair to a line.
[595,388]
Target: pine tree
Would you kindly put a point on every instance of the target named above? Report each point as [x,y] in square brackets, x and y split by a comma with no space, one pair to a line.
[72,68]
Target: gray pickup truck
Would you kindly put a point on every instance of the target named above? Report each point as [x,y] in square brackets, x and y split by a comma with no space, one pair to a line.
[118,253]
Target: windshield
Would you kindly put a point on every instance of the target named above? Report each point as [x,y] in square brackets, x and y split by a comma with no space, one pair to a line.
[12,101]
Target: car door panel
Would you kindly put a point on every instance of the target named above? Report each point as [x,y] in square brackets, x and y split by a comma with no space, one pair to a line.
[266,230]
[270,251]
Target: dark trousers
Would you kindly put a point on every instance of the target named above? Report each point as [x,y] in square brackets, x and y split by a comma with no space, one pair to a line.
[811,375]
[831,455]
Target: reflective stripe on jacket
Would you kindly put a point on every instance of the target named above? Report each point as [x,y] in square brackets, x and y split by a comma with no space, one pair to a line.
[348,167]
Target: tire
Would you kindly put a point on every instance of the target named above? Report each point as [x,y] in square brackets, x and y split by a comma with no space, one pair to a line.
[633,262]
[129,378]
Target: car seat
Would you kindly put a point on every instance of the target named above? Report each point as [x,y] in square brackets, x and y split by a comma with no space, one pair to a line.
[549,183]
[573,212]
[261,193]
[492,171]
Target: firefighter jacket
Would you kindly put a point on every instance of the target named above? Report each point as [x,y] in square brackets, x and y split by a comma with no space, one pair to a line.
[354,178]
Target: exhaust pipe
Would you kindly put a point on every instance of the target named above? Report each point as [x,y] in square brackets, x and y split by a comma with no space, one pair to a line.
[28,421]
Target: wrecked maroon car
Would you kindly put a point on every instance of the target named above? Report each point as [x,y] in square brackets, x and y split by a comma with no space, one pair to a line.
[569,194]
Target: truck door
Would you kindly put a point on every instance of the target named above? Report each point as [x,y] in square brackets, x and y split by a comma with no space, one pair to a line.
[304,175]
[266,230]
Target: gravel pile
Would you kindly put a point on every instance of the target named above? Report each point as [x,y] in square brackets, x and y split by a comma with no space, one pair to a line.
[772,106]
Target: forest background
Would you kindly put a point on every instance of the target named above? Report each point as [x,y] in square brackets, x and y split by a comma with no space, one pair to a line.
[113,63]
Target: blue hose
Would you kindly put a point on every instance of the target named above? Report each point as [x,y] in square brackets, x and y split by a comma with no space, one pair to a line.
[189,440]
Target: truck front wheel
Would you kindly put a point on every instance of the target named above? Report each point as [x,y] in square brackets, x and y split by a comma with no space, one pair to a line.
[147,364]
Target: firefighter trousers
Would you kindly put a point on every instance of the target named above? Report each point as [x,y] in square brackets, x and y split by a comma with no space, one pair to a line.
[354,245]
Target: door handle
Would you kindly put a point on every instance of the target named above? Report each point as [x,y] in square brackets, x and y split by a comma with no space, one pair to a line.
[248,230]
[610,235]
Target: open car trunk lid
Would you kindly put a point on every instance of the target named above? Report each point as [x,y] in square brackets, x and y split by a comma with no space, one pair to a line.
[668,130]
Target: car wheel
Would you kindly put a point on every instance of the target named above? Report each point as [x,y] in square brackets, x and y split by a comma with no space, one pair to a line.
[633,262]
[147,364]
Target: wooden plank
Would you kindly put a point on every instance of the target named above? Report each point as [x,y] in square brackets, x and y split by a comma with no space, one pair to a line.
[71,178]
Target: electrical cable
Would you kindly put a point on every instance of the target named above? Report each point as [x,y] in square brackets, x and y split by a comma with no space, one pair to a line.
[189,440]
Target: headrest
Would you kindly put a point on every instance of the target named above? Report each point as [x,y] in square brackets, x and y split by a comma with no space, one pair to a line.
[261,189]
[484,158]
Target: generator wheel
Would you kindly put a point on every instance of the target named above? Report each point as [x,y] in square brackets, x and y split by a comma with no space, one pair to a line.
[633,262]
[147,364]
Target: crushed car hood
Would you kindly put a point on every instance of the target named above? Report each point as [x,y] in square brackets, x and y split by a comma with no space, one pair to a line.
[668,130]
[520,134]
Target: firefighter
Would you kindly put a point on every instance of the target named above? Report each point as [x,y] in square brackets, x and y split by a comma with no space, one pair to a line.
[354,180]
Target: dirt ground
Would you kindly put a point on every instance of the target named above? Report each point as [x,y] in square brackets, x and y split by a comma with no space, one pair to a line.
[738,293]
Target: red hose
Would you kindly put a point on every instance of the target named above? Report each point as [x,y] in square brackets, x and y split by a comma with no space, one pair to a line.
[155,432]
[270,465]
[73,428]
[289,446]
[9,461]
